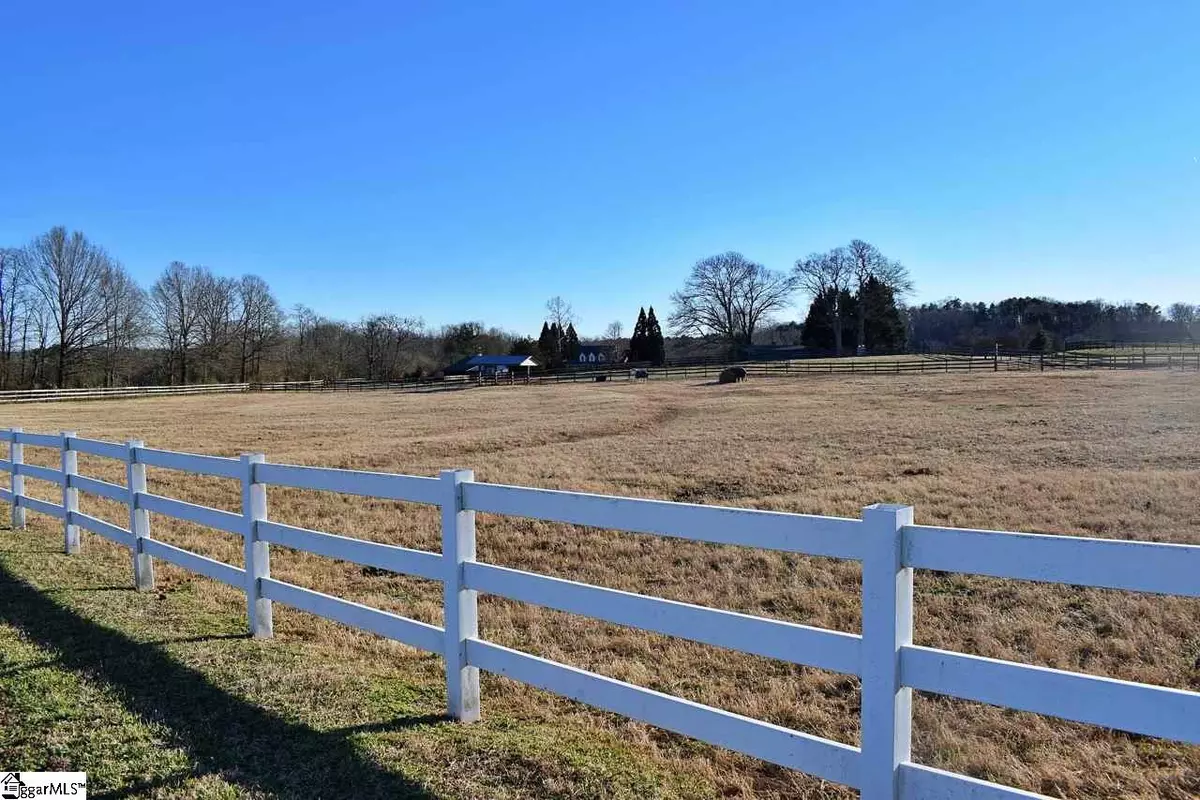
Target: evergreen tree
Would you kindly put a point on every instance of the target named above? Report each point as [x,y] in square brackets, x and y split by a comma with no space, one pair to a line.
[818,332]
[556,345]
[883,327]
[656,348]
[570,349]
[637,342]
[546,345]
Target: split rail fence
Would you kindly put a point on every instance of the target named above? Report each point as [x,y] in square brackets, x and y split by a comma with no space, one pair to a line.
[883,655]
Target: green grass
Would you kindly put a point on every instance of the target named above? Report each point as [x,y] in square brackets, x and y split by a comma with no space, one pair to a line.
[159,695]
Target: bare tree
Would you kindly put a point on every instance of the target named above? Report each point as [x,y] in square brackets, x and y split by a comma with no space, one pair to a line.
[123,306]
[258,326]
[66,270]
[729,296]
[833,273]
[868,262]
[215,300]
[559,311]
[42,322]
[175,310]
[13,299]
[383,338]
[302,322]
[1183,313]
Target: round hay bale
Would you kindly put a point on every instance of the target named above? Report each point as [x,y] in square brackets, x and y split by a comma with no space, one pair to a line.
[732,375]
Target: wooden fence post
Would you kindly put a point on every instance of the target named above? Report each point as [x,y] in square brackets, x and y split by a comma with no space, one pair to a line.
[139,519]
[70,495]
[887,597]
[16,455]
[461,605]
[257,553]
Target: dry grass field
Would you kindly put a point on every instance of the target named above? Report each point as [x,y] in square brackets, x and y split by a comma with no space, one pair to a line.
[158,694]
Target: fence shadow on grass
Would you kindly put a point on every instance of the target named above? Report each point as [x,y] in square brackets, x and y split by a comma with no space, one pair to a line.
[246,745]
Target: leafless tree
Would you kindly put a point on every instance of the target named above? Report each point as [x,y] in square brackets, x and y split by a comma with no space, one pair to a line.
[14,285]
[123,305]
[258,326]
[559,311]
[66,270]
[383,338]
[728,296]
[215,300]
[831,272]
[175,310]
[614,337]
[40,322]
[866,262]
[1183,313]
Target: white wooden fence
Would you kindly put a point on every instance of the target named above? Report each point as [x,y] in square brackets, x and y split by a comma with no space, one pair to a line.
[885,540]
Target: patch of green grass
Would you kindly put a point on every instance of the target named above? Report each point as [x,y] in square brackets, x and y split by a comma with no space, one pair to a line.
[53,718]
[160,694]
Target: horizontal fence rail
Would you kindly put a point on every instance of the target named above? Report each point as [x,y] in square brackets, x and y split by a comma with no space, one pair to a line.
[785,641]
[117,392]
[883,655]
[819,536]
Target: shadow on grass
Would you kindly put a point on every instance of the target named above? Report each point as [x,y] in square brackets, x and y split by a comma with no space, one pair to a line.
[244,744]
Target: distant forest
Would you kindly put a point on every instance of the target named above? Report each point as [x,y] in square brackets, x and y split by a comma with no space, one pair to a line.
[1028,323]
[71,315]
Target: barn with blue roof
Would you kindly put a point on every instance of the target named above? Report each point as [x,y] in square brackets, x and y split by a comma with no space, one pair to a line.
[490,366]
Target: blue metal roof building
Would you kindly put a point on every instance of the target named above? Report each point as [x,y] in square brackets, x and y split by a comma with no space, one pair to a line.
[488,365]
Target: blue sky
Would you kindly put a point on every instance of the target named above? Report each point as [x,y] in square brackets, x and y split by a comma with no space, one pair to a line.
[467,161]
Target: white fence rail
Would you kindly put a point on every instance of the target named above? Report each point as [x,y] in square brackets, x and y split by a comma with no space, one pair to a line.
[883,655]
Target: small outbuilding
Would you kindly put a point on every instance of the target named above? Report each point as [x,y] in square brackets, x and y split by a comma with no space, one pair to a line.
[491,366]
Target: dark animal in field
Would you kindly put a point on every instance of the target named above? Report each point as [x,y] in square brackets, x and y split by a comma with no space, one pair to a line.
[732,375]
[640,374]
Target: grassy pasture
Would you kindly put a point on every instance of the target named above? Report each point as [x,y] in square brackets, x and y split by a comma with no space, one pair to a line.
[159,694]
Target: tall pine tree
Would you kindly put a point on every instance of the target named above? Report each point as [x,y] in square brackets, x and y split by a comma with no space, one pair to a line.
[818,332]
[556,345]
[545,346]
[656,346]
[883,327]
[570,351]
[637,342]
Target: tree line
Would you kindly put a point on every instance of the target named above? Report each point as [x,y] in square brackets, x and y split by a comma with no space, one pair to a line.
[855,291]
[71,315]
[856,305]
[1039,323]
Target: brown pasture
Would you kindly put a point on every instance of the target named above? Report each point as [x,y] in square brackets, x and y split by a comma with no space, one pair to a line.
[1106,454]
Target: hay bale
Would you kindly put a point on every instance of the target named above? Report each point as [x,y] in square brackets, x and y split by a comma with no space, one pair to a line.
[732,375]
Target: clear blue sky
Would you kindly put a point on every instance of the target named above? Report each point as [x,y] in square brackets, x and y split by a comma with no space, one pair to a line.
[468,160]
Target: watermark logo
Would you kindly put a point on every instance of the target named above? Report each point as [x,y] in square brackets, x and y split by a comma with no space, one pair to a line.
[20,785]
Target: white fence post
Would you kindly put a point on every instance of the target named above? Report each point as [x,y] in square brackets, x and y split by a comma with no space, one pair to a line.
[16,455]
[461,605]
[887,601]
[70,496]
[257,553]
[139,519]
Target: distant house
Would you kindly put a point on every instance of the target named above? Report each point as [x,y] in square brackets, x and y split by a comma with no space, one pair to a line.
[596,354]
[490,365]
